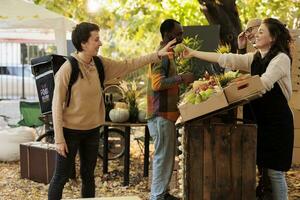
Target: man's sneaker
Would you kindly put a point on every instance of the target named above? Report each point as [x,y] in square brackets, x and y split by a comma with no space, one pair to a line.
[170,197]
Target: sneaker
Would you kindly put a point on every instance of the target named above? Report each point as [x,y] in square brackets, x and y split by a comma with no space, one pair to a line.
[170,197]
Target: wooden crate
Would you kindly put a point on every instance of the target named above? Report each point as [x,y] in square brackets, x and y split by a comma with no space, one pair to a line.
[295,44]
[190,111]
[295,52]
[295,33]
[296,155]
[294,102]
[295,68]
[297,138]
[296,82]
[220,161]
[235,92]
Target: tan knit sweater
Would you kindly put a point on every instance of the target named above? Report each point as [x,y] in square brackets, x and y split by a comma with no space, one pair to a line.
[86,109]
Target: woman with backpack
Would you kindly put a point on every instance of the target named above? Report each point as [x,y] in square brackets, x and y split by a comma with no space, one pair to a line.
[78,106]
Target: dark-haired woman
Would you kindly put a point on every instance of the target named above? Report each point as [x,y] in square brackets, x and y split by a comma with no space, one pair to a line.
[272,62]
[76,123]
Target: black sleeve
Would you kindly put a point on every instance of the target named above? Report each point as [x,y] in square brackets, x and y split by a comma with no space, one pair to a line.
[242,51]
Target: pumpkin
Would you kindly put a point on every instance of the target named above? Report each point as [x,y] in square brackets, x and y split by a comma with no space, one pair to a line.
[142,116]
[121,105]
[119,115]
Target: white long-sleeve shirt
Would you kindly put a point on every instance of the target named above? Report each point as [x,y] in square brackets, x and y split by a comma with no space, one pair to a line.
[278,70]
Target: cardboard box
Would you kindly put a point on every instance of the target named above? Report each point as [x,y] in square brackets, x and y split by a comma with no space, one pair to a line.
[190,111]
[294,102]
[37,161]
[247,88]
[296,114]
[297,138]
[296,156]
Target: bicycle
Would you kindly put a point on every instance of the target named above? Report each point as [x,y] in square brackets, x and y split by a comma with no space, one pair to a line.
[116,143]
[49,132]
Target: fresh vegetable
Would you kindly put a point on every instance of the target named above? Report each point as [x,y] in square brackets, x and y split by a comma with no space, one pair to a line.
[227,77]
[179,48]
[202,90]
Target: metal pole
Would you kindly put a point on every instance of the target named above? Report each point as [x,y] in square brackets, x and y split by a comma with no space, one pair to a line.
[126,156]
[23,49]
[146,152]
[105,150]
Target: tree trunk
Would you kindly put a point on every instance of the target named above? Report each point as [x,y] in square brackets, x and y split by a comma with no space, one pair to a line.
[224,13]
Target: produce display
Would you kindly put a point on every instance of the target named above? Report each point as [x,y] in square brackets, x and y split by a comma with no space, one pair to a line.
[227,77]
[230,77]
[202,90]
[209,85]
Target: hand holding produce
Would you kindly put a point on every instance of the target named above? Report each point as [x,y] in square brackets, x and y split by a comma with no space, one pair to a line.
[179,48]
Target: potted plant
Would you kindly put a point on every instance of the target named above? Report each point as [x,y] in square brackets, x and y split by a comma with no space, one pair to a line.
[131,94]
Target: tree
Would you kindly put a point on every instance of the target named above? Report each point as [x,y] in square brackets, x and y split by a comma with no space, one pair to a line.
[226,14]
[130,27]
[287,11]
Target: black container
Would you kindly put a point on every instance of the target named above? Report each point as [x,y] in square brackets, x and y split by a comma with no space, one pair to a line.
[44,68]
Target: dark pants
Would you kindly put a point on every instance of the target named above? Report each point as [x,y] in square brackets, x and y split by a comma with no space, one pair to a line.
[264,187]
[87,142]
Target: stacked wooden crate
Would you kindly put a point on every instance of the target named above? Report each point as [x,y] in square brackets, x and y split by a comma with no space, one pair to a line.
[219,160]
[295,100]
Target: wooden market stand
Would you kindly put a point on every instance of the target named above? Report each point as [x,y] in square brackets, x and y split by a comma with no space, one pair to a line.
[219,158]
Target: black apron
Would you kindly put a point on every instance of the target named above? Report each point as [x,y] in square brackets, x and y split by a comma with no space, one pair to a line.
[275,133]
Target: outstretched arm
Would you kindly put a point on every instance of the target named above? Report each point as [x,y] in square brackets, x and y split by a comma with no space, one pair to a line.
[207,56]
[233,61]
[115,69]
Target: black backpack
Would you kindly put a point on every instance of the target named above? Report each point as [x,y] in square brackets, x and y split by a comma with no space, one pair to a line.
[76,72]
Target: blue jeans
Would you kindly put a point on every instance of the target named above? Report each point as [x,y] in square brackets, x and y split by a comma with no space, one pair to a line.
[279,186]
[163,132]
[87,142]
